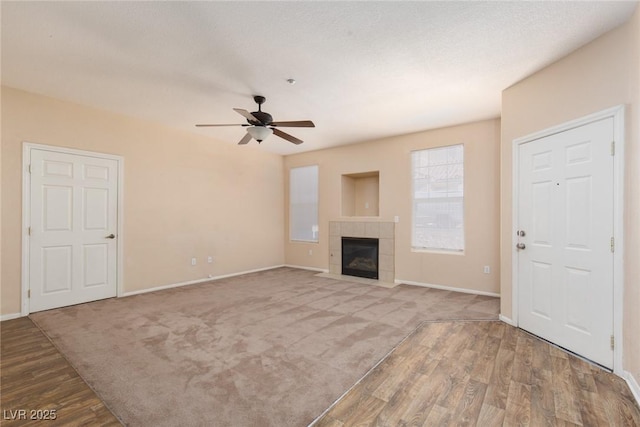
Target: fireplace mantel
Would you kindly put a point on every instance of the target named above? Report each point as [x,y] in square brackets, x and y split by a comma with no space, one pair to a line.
[384,231]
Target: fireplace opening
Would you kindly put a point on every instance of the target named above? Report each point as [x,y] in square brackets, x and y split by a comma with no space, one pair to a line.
[360,257]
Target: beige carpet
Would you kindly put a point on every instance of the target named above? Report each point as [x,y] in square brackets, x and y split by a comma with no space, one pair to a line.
[274,348]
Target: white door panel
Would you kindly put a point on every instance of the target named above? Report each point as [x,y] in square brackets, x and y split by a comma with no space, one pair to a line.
[565,271]
[73,208]
[56,269]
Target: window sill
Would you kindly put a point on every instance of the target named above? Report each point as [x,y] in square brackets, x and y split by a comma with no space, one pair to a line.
[437,251]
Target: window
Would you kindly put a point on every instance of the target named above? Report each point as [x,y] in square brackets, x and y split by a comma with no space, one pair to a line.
[438,198]
[303,203]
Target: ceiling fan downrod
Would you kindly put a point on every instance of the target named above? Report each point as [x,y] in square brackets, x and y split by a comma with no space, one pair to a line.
[259,99]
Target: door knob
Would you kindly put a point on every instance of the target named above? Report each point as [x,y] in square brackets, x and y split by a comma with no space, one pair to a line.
[520,246]
[111,236]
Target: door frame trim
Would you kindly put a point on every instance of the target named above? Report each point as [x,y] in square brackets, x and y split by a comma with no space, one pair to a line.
[617,113]
[26,209]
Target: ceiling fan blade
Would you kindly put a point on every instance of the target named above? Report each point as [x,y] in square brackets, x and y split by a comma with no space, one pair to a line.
[246,114]
[208,125]
[286,136]
[295,124]
[245,140]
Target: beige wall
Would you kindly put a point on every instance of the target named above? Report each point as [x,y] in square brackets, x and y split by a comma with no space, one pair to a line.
[1,180]
[184,195]
[602,74]
[632,222]
[367,195]
[392,158]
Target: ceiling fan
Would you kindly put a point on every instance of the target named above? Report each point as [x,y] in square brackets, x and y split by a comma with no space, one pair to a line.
[261,125]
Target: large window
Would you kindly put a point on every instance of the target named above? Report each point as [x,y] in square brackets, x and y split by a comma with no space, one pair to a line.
[438,198]
[303,203]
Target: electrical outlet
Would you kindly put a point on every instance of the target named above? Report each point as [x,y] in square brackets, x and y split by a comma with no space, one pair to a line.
[193,261]
[310,252]
[487,269]
[210,259]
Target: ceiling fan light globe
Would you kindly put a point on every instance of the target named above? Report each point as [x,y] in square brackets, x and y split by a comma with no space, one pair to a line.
[259,133]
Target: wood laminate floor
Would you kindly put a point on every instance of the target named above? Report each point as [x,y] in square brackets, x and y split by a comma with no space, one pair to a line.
[445,373]
[39,387]
[484,374]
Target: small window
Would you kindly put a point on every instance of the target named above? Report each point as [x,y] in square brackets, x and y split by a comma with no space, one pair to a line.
[438,198]
[303,204]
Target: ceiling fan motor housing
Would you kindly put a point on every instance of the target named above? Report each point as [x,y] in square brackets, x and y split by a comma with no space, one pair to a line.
[265,118]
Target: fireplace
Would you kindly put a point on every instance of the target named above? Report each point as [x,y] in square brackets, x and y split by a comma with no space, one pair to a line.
[360,257]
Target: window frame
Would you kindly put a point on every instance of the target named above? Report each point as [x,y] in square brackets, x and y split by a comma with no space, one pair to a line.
[415,202]
[315,227]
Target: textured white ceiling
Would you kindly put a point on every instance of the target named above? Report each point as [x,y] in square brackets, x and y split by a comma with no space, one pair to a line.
[364,70]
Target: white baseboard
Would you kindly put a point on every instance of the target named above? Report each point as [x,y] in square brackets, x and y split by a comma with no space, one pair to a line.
[196,281]
[10,316]
[633,385]
[319,270]
[447,288]
[507,320]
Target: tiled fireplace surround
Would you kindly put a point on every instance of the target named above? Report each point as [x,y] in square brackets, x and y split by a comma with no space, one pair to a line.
[384,231]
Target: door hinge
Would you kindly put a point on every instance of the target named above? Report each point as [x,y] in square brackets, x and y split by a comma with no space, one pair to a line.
[613,342]
[29,167]
[613,148]
[29,231]
[613,245]
[29,293]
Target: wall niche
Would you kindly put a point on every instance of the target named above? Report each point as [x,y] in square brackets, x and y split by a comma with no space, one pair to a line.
[361,194]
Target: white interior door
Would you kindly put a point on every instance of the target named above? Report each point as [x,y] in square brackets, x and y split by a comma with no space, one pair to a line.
[565,209]
[73,226]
